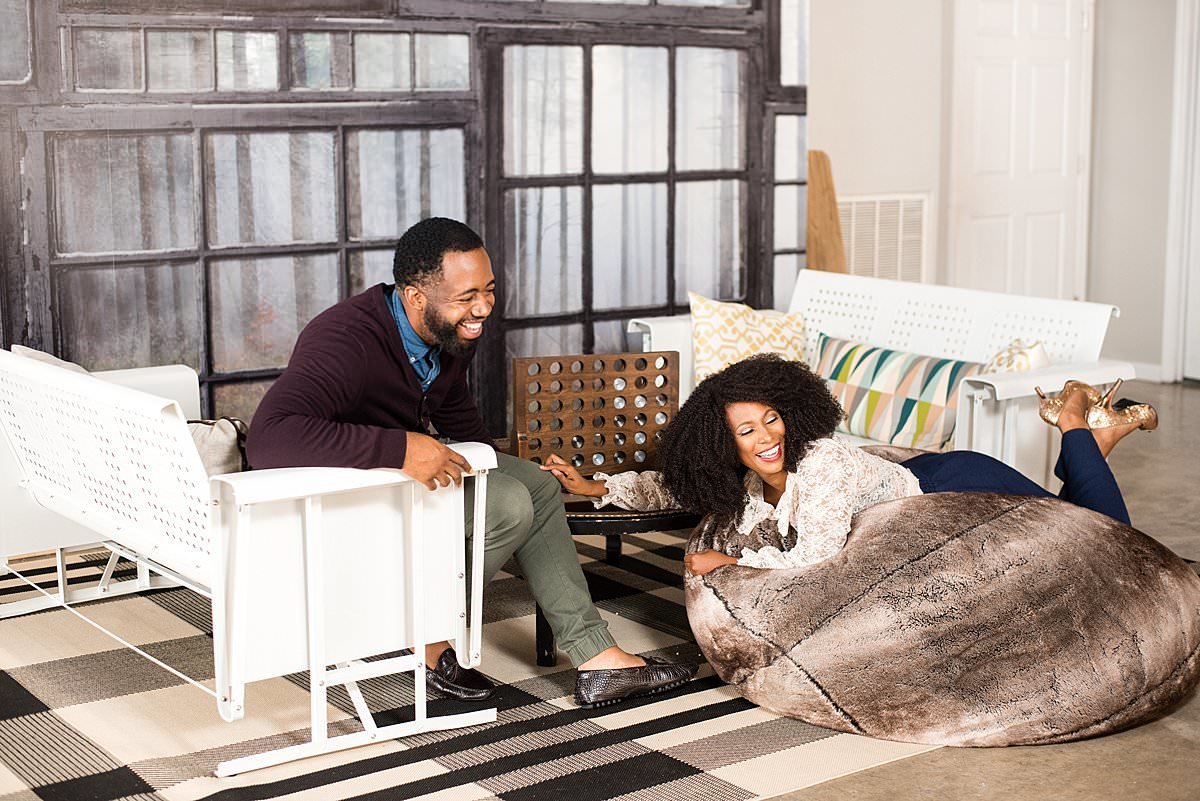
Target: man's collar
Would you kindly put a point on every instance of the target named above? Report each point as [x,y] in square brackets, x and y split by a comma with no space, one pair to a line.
[416,347]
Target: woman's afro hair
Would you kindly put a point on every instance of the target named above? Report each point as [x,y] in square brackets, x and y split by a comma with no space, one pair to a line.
[698,457]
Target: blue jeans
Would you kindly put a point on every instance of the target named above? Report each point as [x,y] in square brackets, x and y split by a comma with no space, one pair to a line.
[1087,479]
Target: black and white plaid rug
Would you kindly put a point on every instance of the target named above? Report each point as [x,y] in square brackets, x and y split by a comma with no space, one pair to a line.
[82,718]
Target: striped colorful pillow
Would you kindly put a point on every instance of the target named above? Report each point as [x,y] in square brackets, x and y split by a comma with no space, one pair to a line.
[892,396]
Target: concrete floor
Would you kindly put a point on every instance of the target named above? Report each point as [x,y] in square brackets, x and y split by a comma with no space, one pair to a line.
[1159,473]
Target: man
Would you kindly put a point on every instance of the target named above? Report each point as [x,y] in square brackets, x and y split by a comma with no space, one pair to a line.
[367,378]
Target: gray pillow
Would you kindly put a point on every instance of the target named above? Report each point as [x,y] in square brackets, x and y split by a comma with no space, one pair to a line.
[222,444]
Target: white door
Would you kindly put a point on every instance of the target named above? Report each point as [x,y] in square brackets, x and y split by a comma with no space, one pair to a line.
[1183,215]
[1020,119]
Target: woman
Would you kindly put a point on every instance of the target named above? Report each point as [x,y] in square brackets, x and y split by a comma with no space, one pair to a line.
[753,450]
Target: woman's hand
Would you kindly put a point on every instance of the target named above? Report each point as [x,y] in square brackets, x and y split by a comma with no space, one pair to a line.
[569,477]
[703,562]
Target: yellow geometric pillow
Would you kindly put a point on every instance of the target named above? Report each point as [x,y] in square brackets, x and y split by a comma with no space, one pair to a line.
[724,333]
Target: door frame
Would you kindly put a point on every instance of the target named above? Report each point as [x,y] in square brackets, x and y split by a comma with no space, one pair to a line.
[1083,188]
[1183,209]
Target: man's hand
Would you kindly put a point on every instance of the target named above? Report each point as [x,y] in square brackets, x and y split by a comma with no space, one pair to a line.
[432,463]
[703,562]
[569,477]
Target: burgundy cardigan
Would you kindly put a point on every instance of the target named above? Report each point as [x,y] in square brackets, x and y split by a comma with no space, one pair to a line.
[349,395]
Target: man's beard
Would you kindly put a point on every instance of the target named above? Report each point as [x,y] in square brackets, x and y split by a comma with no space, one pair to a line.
[445,334]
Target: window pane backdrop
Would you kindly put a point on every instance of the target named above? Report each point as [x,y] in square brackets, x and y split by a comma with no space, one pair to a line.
[134,195]
[15,50]
[624,181]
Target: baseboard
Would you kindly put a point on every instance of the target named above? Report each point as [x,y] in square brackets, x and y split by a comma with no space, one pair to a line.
[1147,371]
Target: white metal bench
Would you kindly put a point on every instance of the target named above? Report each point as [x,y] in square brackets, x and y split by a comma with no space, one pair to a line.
[996,412]
[306,567]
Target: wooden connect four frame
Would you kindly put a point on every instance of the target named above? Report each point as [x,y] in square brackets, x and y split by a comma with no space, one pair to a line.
[598,412]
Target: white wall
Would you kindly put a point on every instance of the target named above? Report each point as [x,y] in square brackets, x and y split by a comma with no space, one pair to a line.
[878,103]
[1131,146]
[878,77]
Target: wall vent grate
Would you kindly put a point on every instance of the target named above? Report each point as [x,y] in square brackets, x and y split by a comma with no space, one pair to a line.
[886,235]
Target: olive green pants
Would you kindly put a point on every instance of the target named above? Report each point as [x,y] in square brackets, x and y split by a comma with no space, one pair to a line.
[525,518]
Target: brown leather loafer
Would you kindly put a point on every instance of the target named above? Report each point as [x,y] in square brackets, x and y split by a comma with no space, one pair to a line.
[595,688]
[455,681]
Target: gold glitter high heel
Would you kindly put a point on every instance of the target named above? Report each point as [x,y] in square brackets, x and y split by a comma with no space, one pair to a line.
[1050,408]
[1106,414]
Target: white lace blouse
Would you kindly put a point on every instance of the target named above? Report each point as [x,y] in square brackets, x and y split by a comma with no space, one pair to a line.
[833,482]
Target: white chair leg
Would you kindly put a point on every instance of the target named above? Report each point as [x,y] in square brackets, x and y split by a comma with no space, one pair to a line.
[349,674]
[360,703]
[345,741]
[109,567]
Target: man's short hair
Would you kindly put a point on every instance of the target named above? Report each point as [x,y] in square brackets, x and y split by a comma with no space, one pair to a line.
[420,249]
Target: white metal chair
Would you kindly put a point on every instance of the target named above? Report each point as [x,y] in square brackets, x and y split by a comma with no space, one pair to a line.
[951,323]
[307,568]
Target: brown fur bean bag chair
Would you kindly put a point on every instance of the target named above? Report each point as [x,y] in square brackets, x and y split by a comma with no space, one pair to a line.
[961,619]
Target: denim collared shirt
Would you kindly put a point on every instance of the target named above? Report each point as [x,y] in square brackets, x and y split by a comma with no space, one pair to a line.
[424,358]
